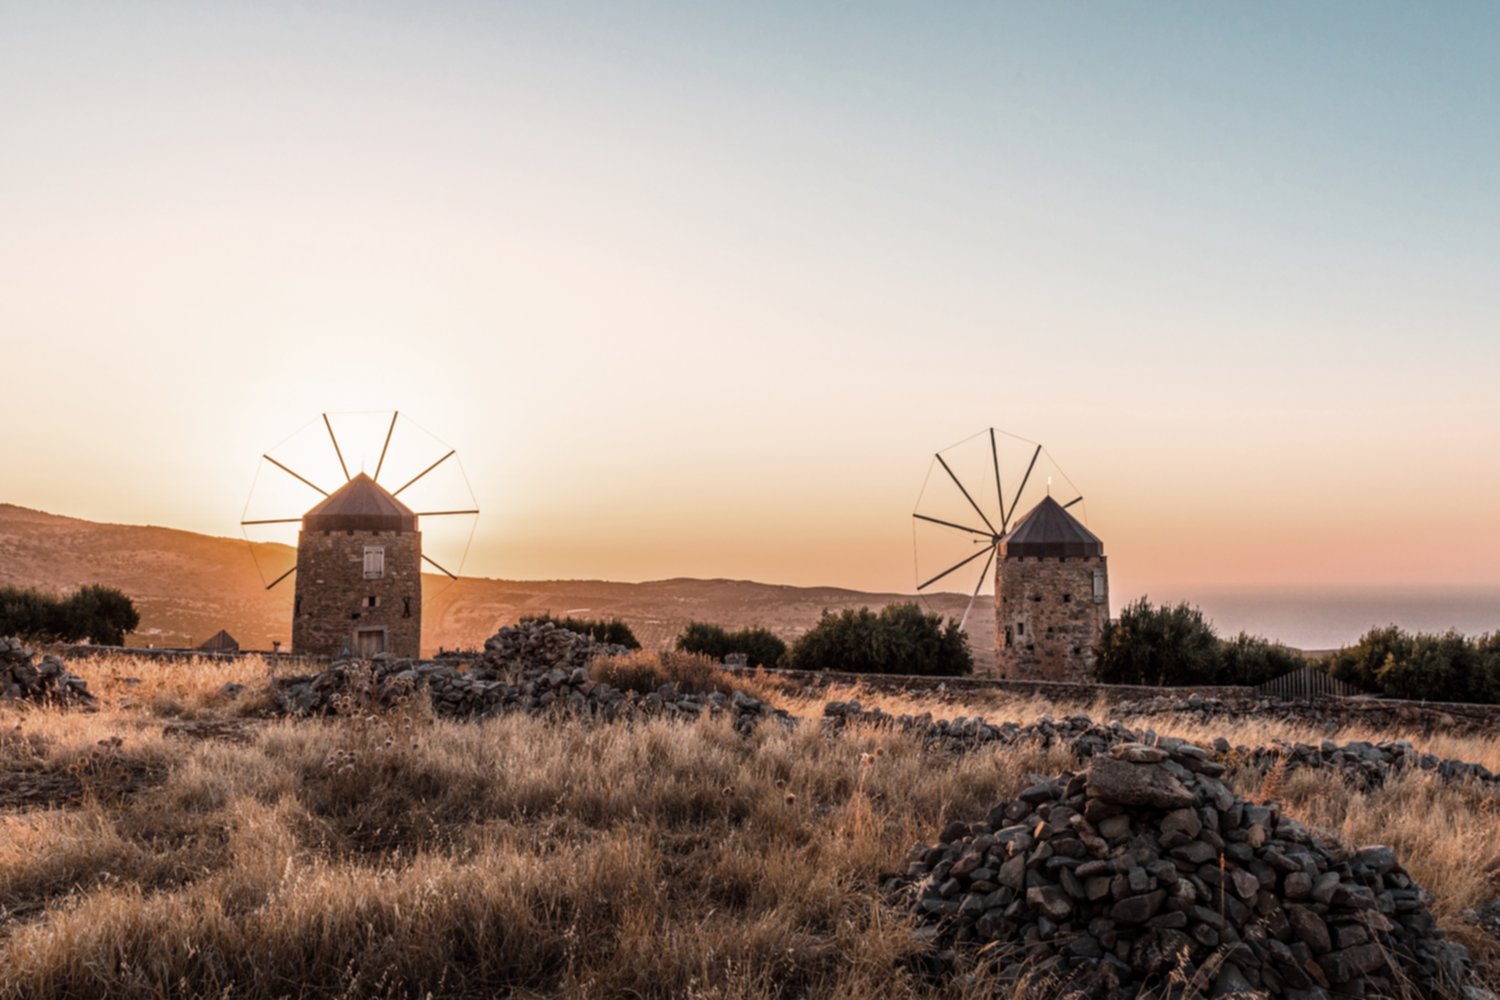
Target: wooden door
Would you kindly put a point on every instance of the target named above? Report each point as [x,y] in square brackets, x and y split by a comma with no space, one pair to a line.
[369,642]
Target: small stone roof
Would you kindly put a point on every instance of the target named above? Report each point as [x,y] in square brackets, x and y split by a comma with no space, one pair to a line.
[1049,531]
[221,642]
[361,504]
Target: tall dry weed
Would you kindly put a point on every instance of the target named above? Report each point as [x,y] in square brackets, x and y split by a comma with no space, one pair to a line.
[386,852]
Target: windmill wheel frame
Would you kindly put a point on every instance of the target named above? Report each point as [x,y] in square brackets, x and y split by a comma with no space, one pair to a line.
[306,471]
[975,492]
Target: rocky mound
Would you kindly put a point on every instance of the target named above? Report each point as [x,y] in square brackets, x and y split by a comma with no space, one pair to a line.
[535,667]
[1145,872]
[47,682]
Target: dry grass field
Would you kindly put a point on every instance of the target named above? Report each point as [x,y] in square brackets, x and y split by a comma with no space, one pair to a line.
[174,844]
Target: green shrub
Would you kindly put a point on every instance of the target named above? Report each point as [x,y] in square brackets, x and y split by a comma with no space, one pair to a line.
[1176,645]
[760,646]
[1361,663]
[1250,660]
[94,612]
[612,630]
[900,639]
[1400,664]
[1170,645]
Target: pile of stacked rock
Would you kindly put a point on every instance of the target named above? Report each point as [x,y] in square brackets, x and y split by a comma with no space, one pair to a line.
[534,667]
[48,682]
[1146,872]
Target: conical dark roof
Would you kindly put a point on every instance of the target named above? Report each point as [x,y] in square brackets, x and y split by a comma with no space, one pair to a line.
[222,642]
[1049,531]
[361,504]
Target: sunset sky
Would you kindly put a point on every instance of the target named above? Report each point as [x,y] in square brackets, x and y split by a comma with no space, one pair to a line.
[698,289]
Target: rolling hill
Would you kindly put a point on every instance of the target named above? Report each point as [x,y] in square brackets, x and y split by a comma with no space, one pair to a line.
[188,586]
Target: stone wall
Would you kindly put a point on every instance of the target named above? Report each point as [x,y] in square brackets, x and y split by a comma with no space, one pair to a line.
[536,667]
[1046,619]
[334,600]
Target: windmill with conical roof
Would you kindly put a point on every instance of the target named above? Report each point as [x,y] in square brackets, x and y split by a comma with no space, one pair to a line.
[988,500]
[359,561]
[1051,596]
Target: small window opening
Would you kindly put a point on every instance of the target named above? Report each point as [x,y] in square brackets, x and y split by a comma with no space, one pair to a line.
[1020,628]
[406,607]
[372,601]
[1067,599]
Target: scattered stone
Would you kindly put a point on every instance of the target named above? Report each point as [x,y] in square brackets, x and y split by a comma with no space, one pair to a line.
[47,682]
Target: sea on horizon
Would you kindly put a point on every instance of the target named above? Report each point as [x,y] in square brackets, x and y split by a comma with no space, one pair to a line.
[1321,619]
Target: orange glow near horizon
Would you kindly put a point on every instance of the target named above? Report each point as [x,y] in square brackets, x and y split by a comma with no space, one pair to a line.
[699,294]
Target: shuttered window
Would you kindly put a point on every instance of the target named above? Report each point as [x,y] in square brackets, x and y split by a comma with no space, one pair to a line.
[374,562]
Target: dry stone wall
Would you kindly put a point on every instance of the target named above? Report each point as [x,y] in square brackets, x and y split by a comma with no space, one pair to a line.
[536,667]
[1331,714]
[1362,764]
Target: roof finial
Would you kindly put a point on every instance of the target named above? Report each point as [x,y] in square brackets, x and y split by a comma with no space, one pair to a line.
[1049,486]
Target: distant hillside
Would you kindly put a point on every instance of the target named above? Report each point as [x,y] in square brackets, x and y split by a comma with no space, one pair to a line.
[188,586]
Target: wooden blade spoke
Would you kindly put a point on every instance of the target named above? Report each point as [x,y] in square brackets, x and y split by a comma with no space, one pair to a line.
[281,577]
[424,472]
[389,431]
[999,493]
[336,449]
[956,566]
[429,559]
[297,476]
[950,524]
[1022,488]
[978,586]
[965,492]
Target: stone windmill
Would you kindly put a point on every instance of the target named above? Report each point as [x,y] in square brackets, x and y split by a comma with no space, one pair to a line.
[360,550]
[1001,499]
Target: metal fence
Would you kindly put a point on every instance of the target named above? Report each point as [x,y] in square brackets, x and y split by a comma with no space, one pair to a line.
[1305,685]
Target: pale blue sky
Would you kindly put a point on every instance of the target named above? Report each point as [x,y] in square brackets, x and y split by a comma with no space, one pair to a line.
[656,269]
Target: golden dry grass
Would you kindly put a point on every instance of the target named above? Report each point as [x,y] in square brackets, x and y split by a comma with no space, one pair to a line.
[395,854]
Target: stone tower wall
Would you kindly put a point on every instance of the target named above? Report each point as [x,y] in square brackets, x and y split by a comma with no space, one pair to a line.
[334,599]
[1047,621]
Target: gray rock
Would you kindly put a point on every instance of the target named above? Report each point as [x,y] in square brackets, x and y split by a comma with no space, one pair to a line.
[1137,909]
[1128,784]
[1050,900]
